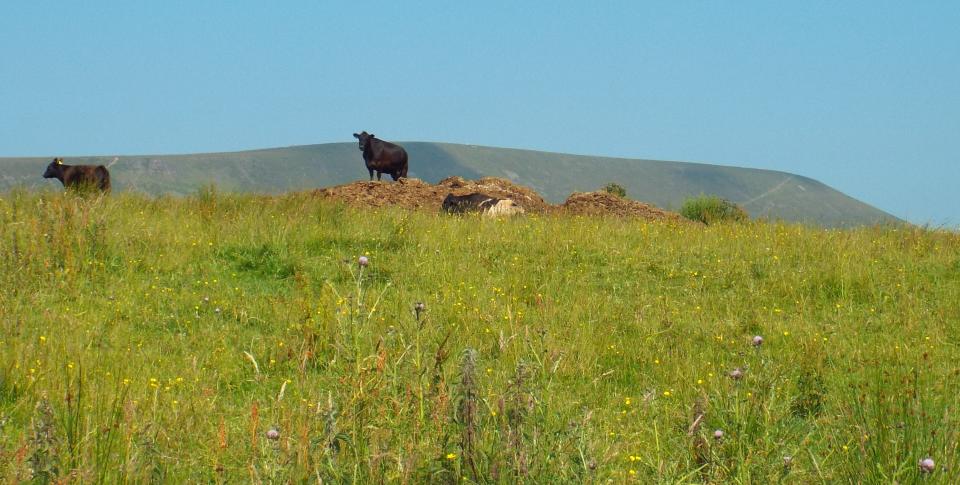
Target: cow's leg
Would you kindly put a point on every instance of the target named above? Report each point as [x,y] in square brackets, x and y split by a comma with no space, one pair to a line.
[379,173]
[371,173]
[395,175]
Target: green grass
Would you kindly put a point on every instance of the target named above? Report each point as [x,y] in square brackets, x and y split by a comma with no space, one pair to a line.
[161,338]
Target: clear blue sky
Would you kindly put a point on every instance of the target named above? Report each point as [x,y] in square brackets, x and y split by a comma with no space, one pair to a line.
[862,95]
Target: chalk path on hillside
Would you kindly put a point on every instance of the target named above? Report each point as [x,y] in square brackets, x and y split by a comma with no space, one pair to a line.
[769,192]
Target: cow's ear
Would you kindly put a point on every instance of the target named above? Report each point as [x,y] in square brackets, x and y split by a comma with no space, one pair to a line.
[356,135]
[371,135]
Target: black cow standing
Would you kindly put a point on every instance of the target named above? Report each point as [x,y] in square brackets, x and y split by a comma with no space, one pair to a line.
[382,157]
[76,176]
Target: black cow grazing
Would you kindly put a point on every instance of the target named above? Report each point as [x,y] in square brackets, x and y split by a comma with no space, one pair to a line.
[382,157]
[477,202]
[76,176]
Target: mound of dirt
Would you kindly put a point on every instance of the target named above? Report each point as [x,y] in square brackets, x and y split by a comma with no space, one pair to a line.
[417,194]
[605,203]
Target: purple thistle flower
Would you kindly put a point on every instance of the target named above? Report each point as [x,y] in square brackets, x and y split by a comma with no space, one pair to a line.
[927,465]
[363,261]
[757,341]
[273,434]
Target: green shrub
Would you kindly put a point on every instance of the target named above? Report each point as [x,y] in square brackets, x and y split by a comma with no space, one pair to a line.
[615,189]
[709,209]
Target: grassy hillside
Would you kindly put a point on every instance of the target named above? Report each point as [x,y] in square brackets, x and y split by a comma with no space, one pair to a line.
[666,184]
[235,339]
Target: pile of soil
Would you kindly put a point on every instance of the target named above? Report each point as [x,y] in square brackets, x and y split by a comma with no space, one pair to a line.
[416,194]
[605,203]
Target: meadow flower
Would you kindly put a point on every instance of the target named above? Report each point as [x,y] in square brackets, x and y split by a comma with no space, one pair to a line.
[718,435]
[787,460]
[927,465]
[736,374]
[451,456]
[273,434]
[363,261]
[757,341]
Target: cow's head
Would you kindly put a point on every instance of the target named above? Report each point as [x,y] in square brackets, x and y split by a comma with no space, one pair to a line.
[54,168]
[364,138]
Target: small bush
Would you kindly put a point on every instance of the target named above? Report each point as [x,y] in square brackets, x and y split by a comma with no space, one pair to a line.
[711,209]
[615,189]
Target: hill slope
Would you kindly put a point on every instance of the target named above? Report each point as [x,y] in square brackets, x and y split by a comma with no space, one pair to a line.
[762,192]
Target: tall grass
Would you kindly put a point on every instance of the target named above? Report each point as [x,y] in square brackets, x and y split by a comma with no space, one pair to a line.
[160,339]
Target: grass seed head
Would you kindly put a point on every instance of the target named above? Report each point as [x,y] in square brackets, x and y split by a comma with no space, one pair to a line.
[419,307]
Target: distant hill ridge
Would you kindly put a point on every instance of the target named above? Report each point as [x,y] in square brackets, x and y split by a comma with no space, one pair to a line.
[763,193]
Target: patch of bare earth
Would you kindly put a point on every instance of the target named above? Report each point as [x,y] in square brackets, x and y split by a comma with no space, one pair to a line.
[416,194]
[607,204]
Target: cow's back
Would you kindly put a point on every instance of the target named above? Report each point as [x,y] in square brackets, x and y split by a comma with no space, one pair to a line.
[386,157]
[80,175]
